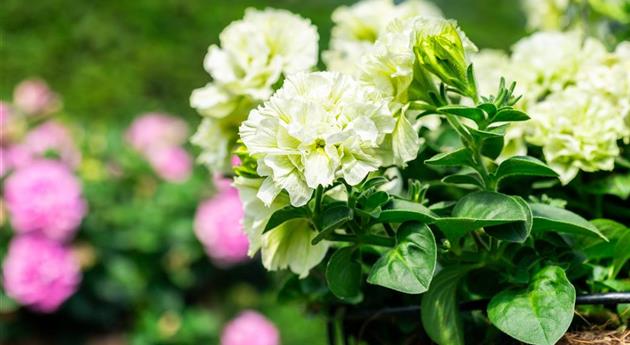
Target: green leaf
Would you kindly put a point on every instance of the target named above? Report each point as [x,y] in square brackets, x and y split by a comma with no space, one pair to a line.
[510,115]
[622,253]
[523,166]
[409,266]
[481,209]
[375,200]
[343,274]
[492,140]
[399,211]
[489,108]
[285,214]
[440,310]
[330,219]
[459,157]
[472,179]
[540,314]
[374,182]
[492,147]
[474,114]
[517,231]
[551,218]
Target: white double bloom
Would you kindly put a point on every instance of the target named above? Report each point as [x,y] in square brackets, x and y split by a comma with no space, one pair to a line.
[255,53]
[318,127]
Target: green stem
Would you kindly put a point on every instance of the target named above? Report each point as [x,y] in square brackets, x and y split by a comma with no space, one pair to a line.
[479,241]
[481,168]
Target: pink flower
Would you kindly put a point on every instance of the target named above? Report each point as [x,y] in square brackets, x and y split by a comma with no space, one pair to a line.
[173,164]
[44,197]
[53,137]
[156,130]
[218,226]
[34,97]
[40,273]
[250,328]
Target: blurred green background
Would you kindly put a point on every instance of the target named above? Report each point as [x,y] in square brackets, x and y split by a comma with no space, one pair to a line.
[111,60]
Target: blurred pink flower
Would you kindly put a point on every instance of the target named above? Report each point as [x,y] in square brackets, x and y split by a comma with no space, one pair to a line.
[173,164]
[250,328]
[44,197]
[39,273]
[152,131]
[53,137]
[218,226]
[34,97]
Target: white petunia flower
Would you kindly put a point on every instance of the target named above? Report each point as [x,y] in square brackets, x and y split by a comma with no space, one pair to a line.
[357,27]
[318,127]
[550,61]
[258,49]
[577,130]
[255,53]
[288,245]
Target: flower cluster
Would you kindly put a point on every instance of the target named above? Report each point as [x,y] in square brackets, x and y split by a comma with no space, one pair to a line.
[255,53]
[357,27]
[159,137]
[576,94]
[43,198]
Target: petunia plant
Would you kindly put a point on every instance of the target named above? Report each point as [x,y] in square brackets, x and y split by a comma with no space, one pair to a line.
[350,171]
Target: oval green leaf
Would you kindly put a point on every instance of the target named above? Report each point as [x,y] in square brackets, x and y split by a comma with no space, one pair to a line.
[343,274]
[481,209]
[409,266]
[474,114]
[551,218]
[523,166]
[540,314]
